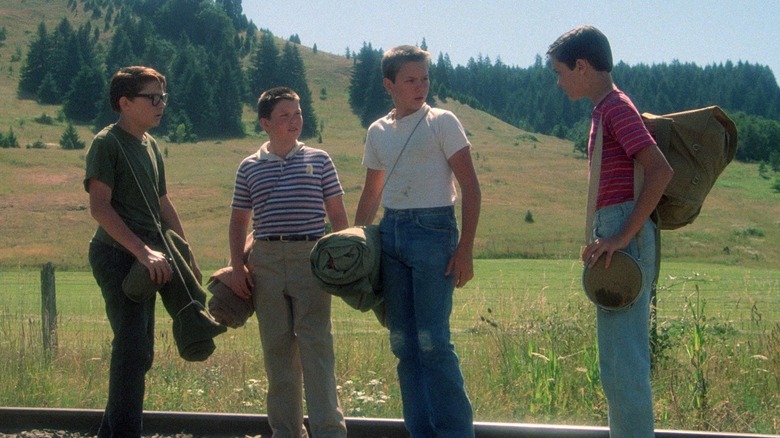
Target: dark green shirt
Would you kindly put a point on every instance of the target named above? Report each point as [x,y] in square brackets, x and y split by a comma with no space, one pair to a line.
[106,162]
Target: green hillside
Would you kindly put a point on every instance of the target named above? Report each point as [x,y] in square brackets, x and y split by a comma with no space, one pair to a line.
[44,214]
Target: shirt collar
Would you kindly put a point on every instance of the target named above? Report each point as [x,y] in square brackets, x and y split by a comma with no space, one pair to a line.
[413,116]
[265,154]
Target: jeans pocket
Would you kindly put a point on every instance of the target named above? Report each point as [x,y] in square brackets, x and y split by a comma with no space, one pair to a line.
[436,222]
[606,227]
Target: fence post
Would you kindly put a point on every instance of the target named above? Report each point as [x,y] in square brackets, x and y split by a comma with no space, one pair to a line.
[49,308]
[655,348]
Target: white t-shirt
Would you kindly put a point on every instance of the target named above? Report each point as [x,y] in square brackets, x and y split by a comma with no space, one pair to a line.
[423,177]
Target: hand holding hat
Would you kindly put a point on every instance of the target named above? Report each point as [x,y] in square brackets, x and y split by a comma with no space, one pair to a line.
[147,276]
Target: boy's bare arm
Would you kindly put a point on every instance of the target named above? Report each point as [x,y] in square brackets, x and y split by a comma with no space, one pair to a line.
[241,281]
[657,174]
[462,263]
[369,199]
[100,208]
[337,213]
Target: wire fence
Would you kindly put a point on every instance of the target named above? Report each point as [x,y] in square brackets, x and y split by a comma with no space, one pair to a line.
[522,328]
[507,293]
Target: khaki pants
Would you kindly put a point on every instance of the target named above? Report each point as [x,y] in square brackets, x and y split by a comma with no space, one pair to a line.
[296,333]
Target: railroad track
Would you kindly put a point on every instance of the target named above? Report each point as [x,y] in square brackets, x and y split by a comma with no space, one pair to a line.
[14,420]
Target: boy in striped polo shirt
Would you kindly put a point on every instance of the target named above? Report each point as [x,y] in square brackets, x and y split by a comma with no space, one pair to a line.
[582,60]
[287,188]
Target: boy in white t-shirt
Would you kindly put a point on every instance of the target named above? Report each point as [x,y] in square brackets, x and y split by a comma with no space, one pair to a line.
[411,156]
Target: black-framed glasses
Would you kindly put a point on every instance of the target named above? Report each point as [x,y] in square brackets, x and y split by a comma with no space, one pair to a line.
[156,98]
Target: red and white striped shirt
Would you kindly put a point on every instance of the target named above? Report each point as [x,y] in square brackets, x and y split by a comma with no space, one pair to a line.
[624,135]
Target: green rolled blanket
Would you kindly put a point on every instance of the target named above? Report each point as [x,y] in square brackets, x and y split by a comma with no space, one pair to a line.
[183,298]
[347,264]
[193,327]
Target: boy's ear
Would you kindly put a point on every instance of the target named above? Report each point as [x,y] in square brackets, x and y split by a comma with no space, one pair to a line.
[388,85]
[123,101]
[581,65]
[263,122]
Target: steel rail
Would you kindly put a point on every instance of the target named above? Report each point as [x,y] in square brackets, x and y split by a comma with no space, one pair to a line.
[241,425]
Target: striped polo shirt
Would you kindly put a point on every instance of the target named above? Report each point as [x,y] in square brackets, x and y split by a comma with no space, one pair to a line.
[287,194]
[624,135]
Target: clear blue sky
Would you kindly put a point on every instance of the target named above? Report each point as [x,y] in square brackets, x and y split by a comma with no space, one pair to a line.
[649,31]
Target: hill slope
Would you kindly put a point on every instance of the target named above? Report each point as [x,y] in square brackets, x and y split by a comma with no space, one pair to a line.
[44,214]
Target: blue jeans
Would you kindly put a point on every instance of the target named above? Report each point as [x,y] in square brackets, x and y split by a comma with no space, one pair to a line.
[416,247]
[132,349]
[624,335]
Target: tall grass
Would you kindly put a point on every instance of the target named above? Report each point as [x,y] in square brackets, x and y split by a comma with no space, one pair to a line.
[524,331]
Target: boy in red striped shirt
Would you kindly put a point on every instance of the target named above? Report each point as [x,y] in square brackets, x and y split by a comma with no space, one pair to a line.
[582,60]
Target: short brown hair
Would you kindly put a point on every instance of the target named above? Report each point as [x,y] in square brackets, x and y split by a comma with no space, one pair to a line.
[395,58]
[128,82]
[268,100]
[584,42]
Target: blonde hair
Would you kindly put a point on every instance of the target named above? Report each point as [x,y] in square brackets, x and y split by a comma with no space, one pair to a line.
[395,58]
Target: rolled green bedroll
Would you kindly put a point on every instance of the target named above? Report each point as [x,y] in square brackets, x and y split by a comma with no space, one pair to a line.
[347,264]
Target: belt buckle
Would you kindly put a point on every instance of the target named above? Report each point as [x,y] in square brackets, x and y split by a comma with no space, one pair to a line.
[284,238]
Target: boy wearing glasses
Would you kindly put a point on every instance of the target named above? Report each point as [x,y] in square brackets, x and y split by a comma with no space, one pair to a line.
[127,232]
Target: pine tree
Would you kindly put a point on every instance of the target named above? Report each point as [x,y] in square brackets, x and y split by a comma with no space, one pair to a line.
[295,77]
[192,89]
[70,139]
[229,89]
[265,65]
[120,53]
[440,73]
[37,63]
[10,140]
[234,11]
[367,95]
[65,58]
[48,92]
[81,101]
[376,101]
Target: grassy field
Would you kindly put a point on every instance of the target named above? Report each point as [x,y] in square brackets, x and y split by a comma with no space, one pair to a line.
[46,218]
[45,214]
[523,329]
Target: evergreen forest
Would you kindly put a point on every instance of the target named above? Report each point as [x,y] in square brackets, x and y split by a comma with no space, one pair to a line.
[216,61]
[528,98]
